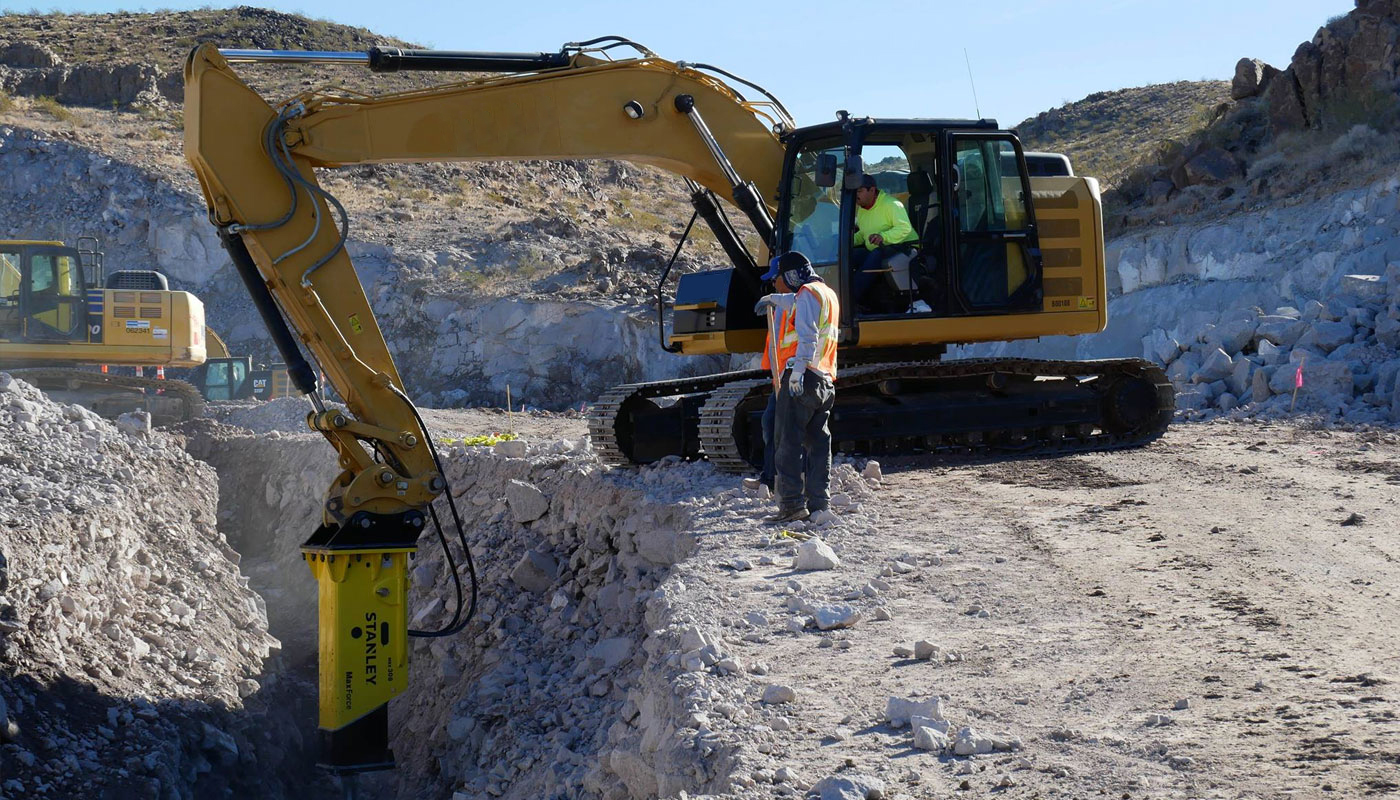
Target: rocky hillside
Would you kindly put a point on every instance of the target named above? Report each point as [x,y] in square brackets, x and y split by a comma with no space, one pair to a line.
[1323,122]
[570,249]
[1108,133]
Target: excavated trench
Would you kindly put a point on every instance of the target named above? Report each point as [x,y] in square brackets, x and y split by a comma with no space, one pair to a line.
[555,689]
[159,625]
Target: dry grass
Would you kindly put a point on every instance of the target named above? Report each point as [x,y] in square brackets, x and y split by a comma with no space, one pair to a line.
[1107,134]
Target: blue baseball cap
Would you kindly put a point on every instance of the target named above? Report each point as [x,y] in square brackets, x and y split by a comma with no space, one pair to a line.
[793,262]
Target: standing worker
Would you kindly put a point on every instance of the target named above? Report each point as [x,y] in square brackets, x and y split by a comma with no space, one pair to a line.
[804,371]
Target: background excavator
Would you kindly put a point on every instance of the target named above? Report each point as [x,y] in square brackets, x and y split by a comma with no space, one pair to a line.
[1002,255]
[59,311]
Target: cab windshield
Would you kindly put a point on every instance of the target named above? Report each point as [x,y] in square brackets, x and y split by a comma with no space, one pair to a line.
[814,212]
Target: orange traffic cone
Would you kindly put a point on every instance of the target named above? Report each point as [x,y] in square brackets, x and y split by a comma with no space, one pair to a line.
[160,373]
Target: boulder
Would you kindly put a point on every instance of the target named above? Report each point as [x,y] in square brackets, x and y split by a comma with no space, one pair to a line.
[1158,346]
[535,572]
[1214,166]
[1366,288]
[1234,335]
[1240,375]
[1259,388]
[1271,353]
[1191,398]
[1252,78]
[848,787]
[1325,383]
[1388,332]
[1280,330]
[1218,366]
[1326,336]
[815,554]
[527,503]
[899,710]
[1227,402]
[1181,370]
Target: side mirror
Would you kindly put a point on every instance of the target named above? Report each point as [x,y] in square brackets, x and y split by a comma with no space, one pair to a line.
[855,171]
[826,170]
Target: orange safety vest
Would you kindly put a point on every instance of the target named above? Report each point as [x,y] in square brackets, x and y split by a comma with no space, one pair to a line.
[786,346]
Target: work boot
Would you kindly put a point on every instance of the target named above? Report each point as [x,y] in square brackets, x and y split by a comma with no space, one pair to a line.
[752,484]
[792,515]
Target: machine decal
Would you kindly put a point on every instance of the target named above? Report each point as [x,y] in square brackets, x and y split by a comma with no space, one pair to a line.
[1088,302]
[137,325]
[355,324]
[96,299]
[159,333]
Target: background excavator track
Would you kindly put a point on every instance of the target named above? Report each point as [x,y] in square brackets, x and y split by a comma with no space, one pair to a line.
[168,401]
[1134,402]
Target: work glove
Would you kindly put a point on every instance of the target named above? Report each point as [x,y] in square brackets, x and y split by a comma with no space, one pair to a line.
[764,303]
[795,373]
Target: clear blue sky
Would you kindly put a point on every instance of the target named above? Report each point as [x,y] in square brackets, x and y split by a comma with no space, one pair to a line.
[902,58]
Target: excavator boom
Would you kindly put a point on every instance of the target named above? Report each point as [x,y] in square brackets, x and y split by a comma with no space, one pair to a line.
[256,167]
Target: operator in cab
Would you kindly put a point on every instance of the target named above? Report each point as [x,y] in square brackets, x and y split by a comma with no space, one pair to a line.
[804,378]
[882,231]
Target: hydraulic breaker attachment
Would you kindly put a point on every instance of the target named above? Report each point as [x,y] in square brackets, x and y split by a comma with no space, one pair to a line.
[361,569]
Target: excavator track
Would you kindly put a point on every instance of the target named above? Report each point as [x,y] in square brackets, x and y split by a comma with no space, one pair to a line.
[611,445]
[167,401]
[1087,406]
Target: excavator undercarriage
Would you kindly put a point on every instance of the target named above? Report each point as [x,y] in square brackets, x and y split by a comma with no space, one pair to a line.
[957,408]
[168,401]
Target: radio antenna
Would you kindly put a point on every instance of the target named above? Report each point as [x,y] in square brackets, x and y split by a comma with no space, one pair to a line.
[975,104]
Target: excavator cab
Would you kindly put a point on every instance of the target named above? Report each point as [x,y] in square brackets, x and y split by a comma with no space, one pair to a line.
[42,293]
[964,186]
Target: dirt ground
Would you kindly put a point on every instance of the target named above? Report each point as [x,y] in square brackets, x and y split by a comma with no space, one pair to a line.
[1235,579]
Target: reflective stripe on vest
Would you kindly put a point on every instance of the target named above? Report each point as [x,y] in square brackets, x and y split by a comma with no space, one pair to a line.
[827,333]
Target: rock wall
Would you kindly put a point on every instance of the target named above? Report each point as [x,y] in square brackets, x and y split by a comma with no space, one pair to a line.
[33,70]
[133,657]
[453,348]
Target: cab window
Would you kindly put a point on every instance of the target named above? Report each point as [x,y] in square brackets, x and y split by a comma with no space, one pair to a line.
[990,203]
[814,212]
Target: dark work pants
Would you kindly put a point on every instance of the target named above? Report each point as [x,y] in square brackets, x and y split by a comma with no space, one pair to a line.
[770,411]
[800,430]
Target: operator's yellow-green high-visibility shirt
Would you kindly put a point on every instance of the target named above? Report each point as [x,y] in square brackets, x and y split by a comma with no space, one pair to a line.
[886,217]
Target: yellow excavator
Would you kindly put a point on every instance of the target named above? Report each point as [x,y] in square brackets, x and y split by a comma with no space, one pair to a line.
[58,311]
[1002,255]
[224,376]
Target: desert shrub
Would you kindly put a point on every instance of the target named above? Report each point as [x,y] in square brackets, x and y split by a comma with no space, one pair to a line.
[54,109]
[6,102]
[1356,143]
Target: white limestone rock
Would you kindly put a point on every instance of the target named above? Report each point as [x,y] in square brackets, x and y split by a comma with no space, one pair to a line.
[1218,366]
[814,554]
[898,710]
[778,694]
[527,503]
[848,787]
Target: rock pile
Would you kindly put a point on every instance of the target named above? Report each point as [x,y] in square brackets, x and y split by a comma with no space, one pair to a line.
[594,667]
[1342,355]
[131,649]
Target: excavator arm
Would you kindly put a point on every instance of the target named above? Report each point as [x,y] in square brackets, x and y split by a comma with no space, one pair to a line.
[256,165]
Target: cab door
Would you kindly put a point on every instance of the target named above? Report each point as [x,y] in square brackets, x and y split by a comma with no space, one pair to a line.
[994,246]
[53,301]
